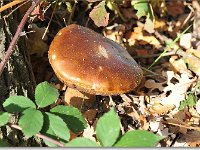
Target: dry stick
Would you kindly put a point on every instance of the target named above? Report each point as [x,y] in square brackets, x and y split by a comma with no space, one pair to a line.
[41,136]
[16,36]
[11,4]
[50,20]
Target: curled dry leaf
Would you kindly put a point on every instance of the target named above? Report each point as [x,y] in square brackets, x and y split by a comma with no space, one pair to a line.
[159,109]
[177,89]
[34,43]
[139,36]
[178,65]
[192,138]
[99,15]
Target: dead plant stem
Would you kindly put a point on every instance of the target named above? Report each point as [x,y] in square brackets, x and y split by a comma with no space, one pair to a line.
[41,136]
[16,36]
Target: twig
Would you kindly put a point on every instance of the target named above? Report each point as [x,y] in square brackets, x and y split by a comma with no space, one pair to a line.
[11,4]
[25,2]
[45,32]
[41,136]
[16,36]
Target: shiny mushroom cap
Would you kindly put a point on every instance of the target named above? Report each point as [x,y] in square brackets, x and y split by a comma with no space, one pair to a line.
[87,61]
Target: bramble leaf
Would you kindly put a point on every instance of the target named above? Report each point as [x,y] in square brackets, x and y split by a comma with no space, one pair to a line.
[138,138]
[108,128]
[82,142]
[31,122]
[45,94]
[55,127]
[17,104]
[71,116]
[4,118]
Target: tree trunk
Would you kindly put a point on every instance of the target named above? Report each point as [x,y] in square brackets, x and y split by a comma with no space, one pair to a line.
[17,77]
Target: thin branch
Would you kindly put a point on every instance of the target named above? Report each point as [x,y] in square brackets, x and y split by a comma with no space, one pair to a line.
[11,4]
[16,36]
[41,136]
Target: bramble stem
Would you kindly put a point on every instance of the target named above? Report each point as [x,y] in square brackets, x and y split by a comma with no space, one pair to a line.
[16,36]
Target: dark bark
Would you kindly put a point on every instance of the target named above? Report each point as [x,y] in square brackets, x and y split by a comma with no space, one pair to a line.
[17,77]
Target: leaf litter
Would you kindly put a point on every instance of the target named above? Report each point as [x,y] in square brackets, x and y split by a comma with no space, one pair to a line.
[155,104]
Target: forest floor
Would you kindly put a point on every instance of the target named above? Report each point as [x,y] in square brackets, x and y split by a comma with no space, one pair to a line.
[167,100]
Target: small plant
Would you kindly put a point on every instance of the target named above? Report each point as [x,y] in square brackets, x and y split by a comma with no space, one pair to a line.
[54,126]
[108,135]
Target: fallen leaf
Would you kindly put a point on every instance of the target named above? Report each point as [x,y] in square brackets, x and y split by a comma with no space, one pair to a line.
[192,138]
[99,15]
[34,43]
[90,115]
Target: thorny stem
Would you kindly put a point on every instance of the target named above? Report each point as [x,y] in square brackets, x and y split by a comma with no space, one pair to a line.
[41,136]
[16,36]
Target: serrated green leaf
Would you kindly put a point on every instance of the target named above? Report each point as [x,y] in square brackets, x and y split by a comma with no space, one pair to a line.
[108,128]
[144,8]
[55,127]
[45,94]
[71,116]
[141,6]
[31,122]
[99,15]
[17,104]
[4,118]
[138,138]
[81,142]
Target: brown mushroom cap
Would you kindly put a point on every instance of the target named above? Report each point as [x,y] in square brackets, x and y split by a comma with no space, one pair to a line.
[86,60]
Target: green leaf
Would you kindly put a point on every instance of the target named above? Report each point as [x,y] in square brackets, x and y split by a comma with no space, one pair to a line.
[99,15]
[4,118]
[108,128]
[31,122]
[144,9]
[17,104]
[55,127]
[138,138]
[81,142]
[190,101]
[45,94]
[71,116]
[141,6]
[3,143]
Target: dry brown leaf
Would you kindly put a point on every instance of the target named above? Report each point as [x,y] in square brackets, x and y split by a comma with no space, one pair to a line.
[175,8]
[160,24]
[141,38]
[178,65]
[192,138]
[193,63]
[159,109]
[194,52]
[90,115]
[177,89]
[34,43]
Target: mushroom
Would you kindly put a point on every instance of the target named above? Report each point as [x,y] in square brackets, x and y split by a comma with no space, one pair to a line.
[92,63]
